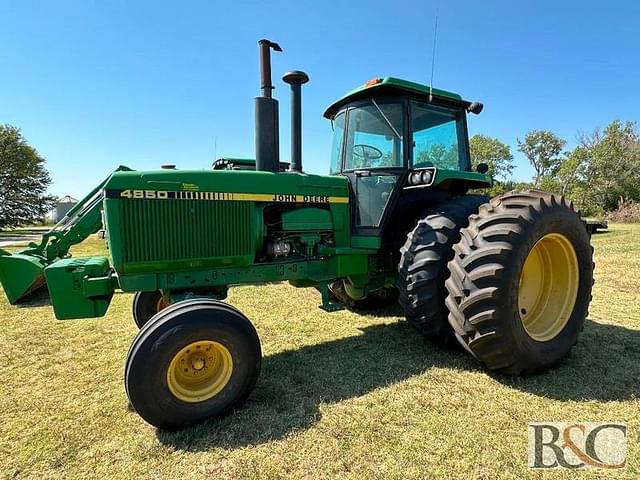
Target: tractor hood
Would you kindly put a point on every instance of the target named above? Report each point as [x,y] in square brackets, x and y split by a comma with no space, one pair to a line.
[178,220]
[197,183]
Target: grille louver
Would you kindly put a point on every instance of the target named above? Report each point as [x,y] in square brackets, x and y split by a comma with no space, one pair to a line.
[173,230]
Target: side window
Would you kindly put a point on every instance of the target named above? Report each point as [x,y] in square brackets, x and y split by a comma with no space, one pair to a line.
[336,147]
[373,194]
[436,133]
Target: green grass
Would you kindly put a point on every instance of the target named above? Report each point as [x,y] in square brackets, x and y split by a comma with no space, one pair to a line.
[340,395]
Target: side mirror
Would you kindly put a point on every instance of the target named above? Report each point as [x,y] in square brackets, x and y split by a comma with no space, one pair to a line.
[482,168]
[475,107]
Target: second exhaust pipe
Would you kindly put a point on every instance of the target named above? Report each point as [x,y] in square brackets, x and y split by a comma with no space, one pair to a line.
[296,79]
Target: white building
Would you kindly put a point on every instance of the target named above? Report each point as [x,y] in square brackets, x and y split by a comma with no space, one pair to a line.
[63,205]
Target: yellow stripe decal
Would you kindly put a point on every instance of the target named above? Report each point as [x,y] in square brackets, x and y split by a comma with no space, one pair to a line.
[252,197]
[225,196]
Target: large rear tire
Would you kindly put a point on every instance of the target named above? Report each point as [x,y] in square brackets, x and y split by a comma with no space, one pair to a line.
[194,360]
[520,282]
[422,270]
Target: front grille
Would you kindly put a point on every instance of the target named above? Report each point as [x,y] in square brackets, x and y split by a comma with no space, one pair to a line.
[169,230]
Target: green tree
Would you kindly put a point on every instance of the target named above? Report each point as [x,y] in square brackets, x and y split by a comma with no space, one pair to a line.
[569,175]
[543,149]
[23,180]
[499,159]
[613,170]
[494,153]
[602,172]
[439,155]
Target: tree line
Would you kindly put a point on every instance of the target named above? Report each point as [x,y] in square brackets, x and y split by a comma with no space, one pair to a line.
[601,174]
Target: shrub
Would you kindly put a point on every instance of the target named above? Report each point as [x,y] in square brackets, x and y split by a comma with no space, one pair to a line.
[627,212]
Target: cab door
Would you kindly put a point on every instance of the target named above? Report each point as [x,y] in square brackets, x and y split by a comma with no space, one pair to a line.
[373,158]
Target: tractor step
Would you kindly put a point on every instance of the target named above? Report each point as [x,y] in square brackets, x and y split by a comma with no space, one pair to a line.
[328,304]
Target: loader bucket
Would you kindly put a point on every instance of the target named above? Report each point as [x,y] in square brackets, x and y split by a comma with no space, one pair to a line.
[20,274]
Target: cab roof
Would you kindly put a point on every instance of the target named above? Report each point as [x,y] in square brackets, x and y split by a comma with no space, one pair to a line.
[392,85]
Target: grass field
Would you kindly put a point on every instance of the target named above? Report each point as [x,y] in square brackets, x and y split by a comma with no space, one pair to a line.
[340,395]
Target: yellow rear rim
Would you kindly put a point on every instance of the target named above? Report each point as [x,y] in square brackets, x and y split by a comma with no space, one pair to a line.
[199,371]
[548,287]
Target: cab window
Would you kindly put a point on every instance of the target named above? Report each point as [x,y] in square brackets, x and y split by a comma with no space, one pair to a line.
[374,136]
[336,147]
[373,194]
[438,137]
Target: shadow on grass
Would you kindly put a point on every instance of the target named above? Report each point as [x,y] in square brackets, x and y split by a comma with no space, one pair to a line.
[604,366]
[37,298]
[381,311]
[294,383]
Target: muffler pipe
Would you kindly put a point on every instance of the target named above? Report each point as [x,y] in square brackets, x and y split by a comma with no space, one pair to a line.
[296,79]
[266,112]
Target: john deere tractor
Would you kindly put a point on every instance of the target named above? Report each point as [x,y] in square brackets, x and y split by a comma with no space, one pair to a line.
[508,278]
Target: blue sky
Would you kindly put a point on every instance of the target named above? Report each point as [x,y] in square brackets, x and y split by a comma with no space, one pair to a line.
[96,84]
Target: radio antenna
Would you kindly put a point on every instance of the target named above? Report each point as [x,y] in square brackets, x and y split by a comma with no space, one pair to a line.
[433,54]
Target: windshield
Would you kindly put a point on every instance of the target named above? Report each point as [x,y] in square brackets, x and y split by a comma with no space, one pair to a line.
[373,136]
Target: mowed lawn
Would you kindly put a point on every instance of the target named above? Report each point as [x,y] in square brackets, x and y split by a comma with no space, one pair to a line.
[341,395]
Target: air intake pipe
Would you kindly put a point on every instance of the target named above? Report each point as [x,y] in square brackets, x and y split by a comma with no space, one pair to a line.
[296,79]
[267,136]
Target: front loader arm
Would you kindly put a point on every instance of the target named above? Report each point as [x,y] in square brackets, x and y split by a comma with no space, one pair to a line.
[82,220]
[23,272]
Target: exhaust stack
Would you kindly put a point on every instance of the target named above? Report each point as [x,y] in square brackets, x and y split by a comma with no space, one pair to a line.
[296,79]
[267,135]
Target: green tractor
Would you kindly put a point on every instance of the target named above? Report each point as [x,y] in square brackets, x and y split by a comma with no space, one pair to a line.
[508,278]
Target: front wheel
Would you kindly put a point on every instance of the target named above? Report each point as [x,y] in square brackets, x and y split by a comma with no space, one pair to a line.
[195,360]
[520,281]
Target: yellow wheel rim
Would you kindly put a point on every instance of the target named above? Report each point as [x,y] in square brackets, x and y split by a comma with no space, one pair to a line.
[548,287]
[199,371]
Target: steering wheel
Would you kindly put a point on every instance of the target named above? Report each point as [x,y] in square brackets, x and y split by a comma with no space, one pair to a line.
[366,152]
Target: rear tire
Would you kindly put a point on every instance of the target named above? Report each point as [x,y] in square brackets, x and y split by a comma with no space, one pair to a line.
[520,282]
[422,270]
[194,360]
[146,305]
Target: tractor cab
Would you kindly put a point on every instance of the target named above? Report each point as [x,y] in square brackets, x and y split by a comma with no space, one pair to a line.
[400,144]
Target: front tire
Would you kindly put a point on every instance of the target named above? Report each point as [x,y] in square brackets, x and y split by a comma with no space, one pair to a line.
[520,282]
[195,360]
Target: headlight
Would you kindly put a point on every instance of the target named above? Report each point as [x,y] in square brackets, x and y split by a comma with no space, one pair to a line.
[414,178]
[426,177]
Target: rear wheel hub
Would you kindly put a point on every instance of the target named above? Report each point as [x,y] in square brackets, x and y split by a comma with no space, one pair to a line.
[548,287]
